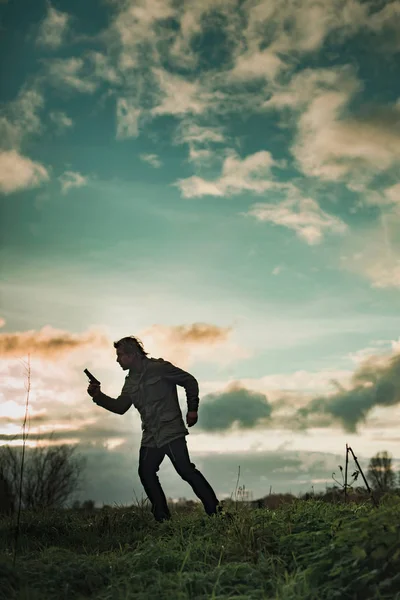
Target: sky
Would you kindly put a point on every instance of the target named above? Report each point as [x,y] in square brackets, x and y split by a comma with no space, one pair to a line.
[220,179]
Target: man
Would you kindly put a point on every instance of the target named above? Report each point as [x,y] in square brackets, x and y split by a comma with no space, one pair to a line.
[151,387]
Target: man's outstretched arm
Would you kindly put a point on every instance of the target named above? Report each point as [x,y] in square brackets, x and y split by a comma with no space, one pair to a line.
[116,405]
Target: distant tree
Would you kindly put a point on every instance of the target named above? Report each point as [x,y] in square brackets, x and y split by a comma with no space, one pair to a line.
[88,505]
[380,472]
[51,475]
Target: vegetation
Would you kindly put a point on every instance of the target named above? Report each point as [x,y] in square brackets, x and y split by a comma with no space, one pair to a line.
[303,549]
[335,544]
[52,474]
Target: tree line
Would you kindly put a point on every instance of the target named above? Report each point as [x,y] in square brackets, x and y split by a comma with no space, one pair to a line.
[50,476]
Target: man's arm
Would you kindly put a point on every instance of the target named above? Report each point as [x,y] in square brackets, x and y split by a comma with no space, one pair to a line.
[184,379]
[116,405]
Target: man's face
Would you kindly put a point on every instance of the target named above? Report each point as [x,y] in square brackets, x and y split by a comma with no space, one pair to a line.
[124,360]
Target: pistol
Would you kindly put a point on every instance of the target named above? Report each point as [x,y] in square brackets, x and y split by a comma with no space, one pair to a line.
[91,377]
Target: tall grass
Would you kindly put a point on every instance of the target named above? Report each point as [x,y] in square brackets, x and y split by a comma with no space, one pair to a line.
[300,550]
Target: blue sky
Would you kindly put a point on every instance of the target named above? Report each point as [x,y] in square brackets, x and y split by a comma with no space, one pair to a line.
[222,180]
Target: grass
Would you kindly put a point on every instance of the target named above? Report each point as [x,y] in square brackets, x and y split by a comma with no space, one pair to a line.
[308,549]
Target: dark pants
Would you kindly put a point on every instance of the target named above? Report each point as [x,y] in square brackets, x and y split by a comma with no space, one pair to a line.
[150,460]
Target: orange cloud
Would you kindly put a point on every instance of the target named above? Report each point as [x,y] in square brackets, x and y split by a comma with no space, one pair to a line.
[49,343]
[199,333]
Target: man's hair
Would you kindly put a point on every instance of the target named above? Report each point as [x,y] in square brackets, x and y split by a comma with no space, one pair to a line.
[131,345]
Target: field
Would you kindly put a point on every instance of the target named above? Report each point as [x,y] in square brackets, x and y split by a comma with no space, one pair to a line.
[308,549]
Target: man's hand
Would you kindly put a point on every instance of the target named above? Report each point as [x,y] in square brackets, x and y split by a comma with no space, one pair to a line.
[93,389]
[191,418]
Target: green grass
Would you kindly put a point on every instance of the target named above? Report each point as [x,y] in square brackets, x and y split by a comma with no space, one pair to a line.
[304,550]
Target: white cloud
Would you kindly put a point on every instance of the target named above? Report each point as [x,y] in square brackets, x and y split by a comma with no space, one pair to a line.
[392,194]
[21,118]
[263,64]
[237,176]
[289,29]
[61,120]
[179,96]
[134,25]
[330,144]
[53,28]
[127,118]
[102,69]
[18,172]
[387,20]
[303,215]
[199,155]
[193,20]
[194,187]
[378,261]
[332,148]
[152,159]
[189,132]
[71,73]
[19,122]
[71,179]
[384,274]
[199,139]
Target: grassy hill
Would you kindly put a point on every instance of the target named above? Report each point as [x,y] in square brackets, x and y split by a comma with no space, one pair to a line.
[305,549]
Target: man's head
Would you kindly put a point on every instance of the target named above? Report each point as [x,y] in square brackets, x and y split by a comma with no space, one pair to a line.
[130,353]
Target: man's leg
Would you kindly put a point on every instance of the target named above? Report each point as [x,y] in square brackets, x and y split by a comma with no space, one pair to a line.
[179,455]
[150,460]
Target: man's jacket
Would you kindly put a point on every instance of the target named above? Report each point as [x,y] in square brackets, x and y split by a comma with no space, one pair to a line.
[153,392]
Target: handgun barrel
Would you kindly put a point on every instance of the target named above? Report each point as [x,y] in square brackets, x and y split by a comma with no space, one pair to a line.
[91,377]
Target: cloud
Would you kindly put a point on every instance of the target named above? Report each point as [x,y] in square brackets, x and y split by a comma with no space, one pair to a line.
[61,120]
[70,179]
[20,122]
[392,194]
[199,139]
[375,383]
[21,119]
[379,260]
[207,17]
[138,25]
[18,172]
[190,132]
[303,215]
[237,176]
[331,143]
[252,65]
[275,36]
[74,73]
[127,118]
[201,342]
[53,28]
[180,96]
[236,405]
[333,147]
[384,274]
[386,197]
[49,343]
[387,21]
[152,159]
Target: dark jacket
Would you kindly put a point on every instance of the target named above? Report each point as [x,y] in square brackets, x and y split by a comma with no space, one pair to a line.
[153,392]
